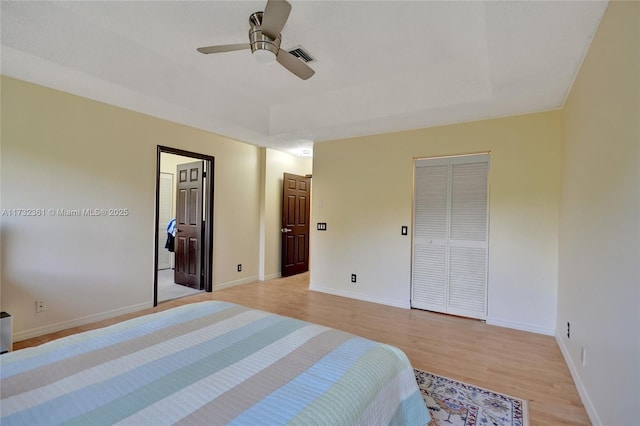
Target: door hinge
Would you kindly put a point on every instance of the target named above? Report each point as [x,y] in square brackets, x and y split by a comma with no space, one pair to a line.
[204,173]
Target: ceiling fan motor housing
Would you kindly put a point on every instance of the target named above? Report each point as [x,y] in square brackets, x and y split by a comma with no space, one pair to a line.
[260,42]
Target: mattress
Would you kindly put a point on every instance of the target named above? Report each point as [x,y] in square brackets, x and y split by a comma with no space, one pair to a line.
[210,363]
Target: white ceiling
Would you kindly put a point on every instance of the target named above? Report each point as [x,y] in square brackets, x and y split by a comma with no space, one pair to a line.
[381,66]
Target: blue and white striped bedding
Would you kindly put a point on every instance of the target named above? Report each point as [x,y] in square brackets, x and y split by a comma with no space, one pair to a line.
[210,363]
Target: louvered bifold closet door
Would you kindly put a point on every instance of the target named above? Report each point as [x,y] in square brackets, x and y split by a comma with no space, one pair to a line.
[468,239]
[449,269]
[431,212]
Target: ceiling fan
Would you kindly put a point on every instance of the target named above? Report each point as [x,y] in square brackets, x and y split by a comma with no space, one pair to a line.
[265,39]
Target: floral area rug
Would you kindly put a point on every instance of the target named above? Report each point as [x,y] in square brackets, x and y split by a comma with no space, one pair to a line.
[453,403]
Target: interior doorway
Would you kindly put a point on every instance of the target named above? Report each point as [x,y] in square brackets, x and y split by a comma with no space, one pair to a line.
[296,207]
[184,224]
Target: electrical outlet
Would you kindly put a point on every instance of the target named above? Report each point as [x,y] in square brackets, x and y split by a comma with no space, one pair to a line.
[41,306]
[239,267]
[353,278]
[568,330]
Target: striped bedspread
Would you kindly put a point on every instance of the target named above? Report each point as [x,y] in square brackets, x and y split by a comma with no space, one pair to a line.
[210,363]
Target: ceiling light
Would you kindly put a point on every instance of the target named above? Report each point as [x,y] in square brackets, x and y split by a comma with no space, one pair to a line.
[304,148]
[264,56]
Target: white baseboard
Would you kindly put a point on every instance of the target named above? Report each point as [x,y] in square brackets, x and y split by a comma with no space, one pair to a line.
[358,296]
[272,276]
[582,391]
[521,326]
[52,328]
[235,283]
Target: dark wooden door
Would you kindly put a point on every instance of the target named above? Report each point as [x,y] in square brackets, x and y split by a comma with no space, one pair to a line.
[188,241]
[296,204]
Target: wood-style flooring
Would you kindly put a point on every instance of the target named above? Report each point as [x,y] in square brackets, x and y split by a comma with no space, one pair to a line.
[525,365]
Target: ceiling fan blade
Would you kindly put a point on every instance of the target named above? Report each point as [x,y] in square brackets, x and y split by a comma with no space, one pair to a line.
[275,15]
[223,48]
[294,64]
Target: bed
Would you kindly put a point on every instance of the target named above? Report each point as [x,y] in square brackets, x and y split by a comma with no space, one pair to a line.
[210,363]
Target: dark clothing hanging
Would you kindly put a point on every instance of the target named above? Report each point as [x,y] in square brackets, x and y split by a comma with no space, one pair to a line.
[171,234]
[170,245]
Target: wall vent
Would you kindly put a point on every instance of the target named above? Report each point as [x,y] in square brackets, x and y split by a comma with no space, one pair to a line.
[299,52]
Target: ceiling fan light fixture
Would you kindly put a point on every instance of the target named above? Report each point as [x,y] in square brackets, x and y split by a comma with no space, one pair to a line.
[265,39]
[264,56]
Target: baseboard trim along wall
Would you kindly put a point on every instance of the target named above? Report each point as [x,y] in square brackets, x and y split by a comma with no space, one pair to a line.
[272,276]
[521,326]
[584,396]
[52,328]
[358,296]
[234,283]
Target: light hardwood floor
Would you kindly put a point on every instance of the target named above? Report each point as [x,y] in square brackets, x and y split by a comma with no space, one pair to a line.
[525,365]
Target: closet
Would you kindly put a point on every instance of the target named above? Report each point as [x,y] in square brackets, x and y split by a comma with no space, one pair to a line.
[450,235]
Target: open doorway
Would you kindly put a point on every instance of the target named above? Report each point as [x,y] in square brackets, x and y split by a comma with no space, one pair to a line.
[296,210]
[184,224]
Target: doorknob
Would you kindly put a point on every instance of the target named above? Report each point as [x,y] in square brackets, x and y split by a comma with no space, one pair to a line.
[285,230]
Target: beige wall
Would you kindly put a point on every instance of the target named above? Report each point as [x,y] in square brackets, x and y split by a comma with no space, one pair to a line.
[363,190]
[277,163]
[599,256]
[60,151]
